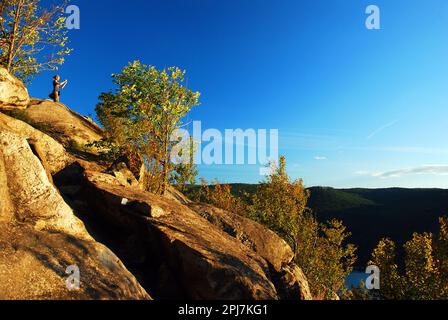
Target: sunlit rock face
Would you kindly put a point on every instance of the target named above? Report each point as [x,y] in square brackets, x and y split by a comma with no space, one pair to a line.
[40,236]
[13,94]
[64,208]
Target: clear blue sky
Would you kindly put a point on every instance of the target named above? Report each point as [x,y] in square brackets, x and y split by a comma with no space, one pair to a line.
[354,107]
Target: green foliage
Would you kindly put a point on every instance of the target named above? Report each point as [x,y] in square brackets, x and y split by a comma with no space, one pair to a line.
[323,255]
[320,250]
[278,203]
[106,149]
[183,175]
[359,293]
[420,208]
[325,199]
[32,39]
[184,171]
[141,116]
[387,207]
[281,205]
[425,270]
[391,282]
[219,195]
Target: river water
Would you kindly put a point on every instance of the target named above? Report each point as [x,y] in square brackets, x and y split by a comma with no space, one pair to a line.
[354,279]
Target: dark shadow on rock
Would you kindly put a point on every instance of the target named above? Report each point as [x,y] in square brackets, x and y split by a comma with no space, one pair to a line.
[131,241]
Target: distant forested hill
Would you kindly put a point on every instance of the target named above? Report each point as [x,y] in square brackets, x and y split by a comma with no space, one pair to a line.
[371,214]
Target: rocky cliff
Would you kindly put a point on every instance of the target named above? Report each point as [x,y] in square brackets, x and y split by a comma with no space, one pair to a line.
[61,206]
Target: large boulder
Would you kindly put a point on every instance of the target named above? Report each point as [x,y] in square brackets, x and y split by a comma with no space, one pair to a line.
[36,200]
[257,237]
[13,94]
[40,237]
[63,124]
[120,171]
[34,265]
[174,194]
[293,284]
[287,277]
[55,154]
[176,253]
[6,211]
[51,194]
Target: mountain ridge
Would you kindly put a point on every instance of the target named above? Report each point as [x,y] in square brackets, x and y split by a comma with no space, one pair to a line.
[371,214]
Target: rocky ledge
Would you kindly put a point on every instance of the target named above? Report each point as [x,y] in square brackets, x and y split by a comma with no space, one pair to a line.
[62,207]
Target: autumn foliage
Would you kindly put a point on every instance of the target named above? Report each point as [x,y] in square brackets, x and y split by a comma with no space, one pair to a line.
[281,205]
[424,275]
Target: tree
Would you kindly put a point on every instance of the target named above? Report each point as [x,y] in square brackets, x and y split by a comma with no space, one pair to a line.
[220,195]
[324,257]
[421,271]
[425,273]
[392,284]
[320,249]
[441,254]
[184,170]
[32,39]
[278,202]
[281,205]
[143,114]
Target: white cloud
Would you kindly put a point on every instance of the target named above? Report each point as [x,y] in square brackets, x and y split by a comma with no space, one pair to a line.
[416,150]
[320,158]
[435,170]
[387,125]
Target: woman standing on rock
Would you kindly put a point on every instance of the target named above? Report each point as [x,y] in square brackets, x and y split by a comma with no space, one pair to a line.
[57,87]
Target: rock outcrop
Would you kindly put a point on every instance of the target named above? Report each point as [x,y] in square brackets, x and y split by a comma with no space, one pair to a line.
[40,237]
[13,94]
[293,284]
[255,236]
[124,176]
[179,251]
[55,154]
[288,278]
[62,208]
[177,248]
[63,124]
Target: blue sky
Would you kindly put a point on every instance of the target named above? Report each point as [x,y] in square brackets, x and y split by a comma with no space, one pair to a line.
[354,107]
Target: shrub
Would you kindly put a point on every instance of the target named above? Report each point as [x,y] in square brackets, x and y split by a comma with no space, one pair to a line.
[320,250]
[220,195]
[425,272]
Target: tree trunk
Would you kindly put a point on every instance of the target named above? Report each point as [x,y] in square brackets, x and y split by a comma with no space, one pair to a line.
[165,167]
[13,37]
